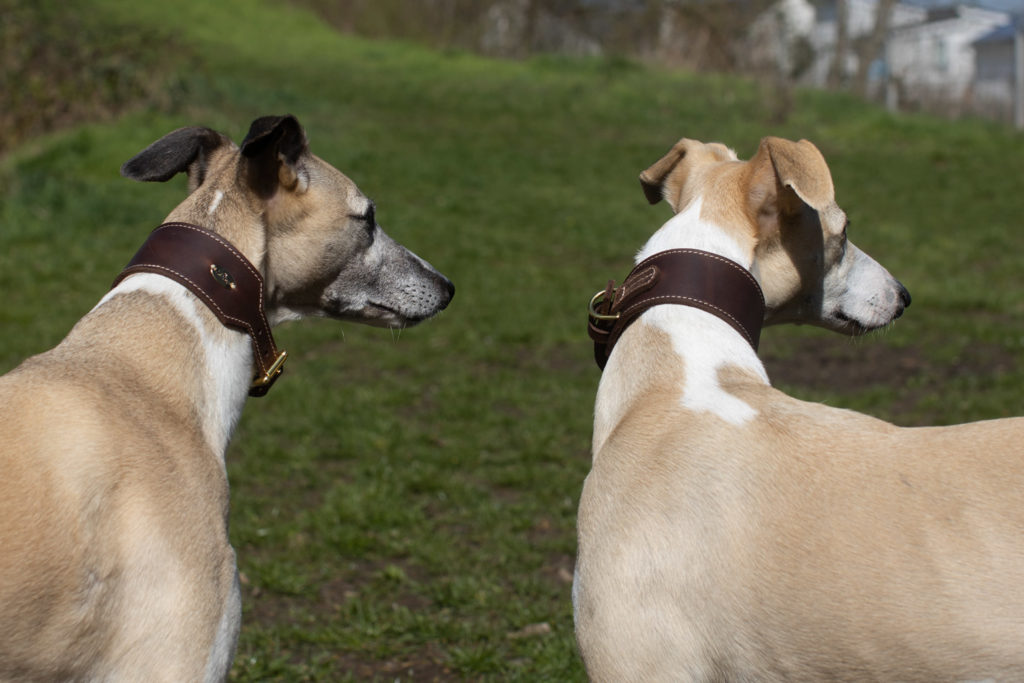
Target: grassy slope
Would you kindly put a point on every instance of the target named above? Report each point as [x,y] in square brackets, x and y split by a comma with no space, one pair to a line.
[404,505]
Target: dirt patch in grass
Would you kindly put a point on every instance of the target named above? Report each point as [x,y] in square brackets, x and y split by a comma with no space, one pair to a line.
[347,583]
[350,580]
[840,365]
[426,666]
[847,367]
[269,609]
[559,568]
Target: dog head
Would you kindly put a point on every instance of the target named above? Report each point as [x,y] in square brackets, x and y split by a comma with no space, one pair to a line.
[303,223]
[780,210]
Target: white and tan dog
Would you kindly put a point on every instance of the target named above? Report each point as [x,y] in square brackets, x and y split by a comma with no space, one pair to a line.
[728,532]
[115,563]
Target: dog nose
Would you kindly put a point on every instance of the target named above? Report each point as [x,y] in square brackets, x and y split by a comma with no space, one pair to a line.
[449,287]
[904,299]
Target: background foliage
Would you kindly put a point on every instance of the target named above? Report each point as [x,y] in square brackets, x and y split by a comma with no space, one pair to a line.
[403,505]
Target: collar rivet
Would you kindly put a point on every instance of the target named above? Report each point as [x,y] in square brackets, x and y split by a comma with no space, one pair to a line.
[222,276]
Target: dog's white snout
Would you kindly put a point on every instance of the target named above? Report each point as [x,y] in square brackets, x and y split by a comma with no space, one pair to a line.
[428,297]
[861,295]
[896,302]
[446,292]
[414,290]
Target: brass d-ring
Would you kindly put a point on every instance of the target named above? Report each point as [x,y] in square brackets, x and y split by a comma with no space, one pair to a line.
[600,316]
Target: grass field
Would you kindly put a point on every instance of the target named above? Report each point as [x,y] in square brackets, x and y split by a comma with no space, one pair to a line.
[403,506]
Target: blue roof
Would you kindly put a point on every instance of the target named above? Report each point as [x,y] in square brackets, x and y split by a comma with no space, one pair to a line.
[999,35]
[1011,6]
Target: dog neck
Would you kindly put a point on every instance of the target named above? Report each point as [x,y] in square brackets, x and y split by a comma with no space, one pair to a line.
[689,277]
[680,345]
[226,349]
[230,214]
[228,283]
[170,344]
[689,230]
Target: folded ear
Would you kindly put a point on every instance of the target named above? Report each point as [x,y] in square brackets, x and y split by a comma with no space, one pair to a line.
[654,179]
[272,151]
[186,150]
[801,168]
[786,178]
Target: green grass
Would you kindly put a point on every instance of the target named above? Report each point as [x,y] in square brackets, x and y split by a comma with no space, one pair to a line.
[403,506]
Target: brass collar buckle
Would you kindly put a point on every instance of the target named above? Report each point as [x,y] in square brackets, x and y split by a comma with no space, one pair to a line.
[604,300]
[271,374]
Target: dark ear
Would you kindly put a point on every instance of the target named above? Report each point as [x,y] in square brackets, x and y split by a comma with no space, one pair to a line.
[186,150]
[272,151]
[653,179]
[666,178]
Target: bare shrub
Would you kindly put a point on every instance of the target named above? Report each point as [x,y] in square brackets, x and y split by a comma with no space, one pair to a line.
[59,66]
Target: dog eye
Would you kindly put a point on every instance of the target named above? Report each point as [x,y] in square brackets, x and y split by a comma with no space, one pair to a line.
[369,219]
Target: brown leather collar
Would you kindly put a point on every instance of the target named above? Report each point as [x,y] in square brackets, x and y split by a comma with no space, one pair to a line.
[223,279]
[678,276]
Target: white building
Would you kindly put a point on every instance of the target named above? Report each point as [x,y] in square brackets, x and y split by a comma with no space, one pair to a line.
[935,52]
[860,24]
[934,60]
[994,72]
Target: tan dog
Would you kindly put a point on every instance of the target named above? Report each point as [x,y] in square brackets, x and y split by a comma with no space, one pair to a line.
[114,556]
[728,532]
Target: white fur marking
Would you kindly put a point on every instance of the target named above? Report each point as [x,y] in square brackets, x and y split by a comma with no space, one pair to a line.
[217,197]
[706,343]
[227,362]
[687,230]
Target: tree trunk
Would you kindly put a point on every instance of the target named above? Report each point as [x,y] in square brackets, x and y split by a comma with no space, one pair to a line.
[872,46]
[837,70]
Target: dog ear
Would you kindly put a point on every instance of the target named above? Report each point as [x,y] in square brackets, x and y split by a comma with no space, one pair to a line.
[800,168]
[272,150]
[186,150]
[654,179]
